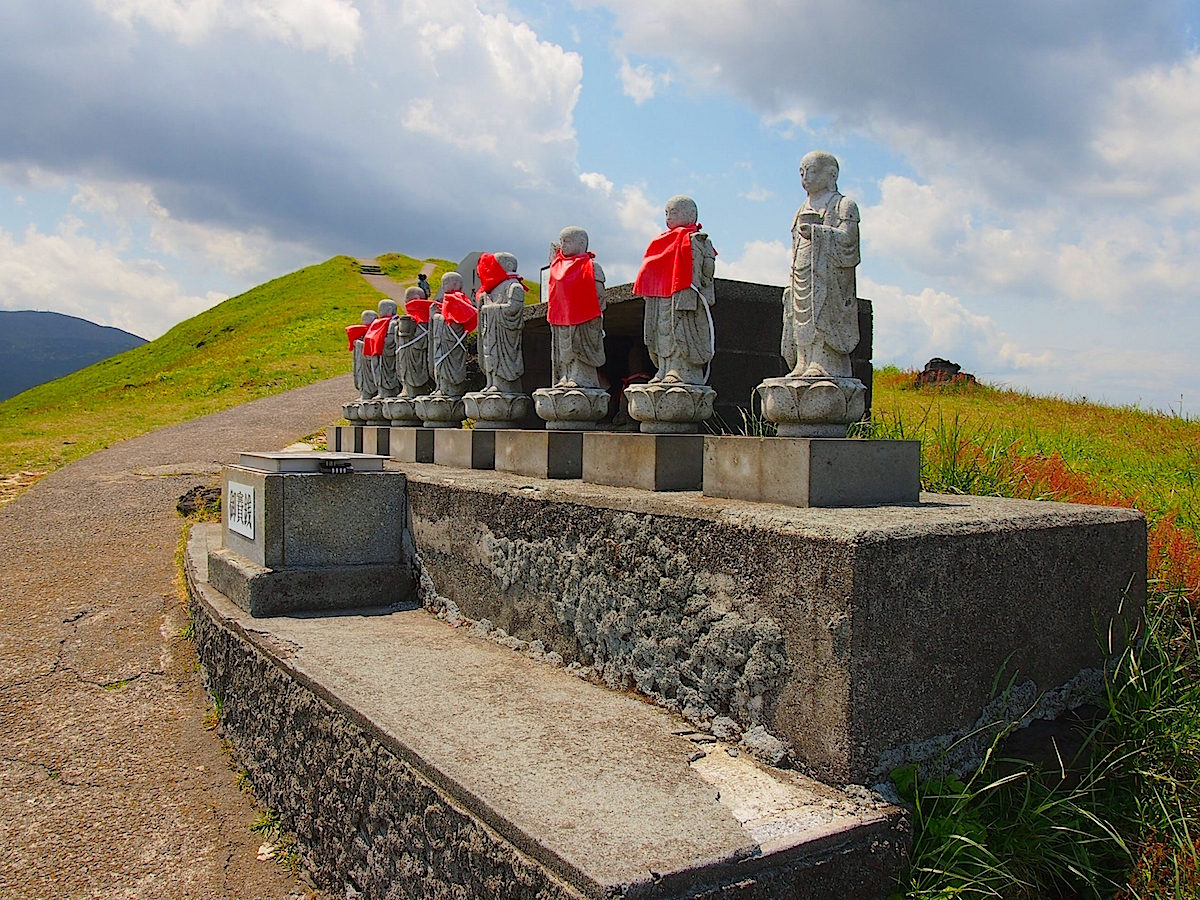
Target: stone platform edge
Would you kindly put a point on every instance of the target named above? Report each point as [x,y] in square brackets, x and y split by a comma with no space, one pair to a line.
[446,843]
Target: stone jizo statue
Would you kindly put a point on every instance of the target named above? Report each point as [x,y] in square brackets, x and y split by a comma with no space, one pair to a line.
[501,303]
[575,301]
[820,304]
[412,348]
[820,396]
[450,321]
[365,376]
[385,362]
[676,280]
[576,311]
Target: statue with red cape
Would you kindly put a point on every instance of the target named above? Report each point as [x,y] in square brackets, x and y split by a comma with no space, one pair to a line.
[676,282]
[501,303]
[575,401]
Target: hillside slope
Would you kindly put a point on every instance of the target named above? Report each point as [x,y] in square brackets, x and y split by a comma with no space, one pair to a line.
[36,347]
[279,335]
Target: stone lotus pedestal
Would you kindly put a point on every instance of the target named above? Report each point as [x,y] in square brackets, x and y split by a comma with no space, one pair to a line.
[670,408]
[493,410]
[364,412]
[571,409]
[401,411]
[813,406]
[440,411]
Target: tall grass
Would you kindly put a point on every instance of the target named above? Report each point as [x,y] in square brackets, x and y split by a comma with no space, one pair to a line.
[1120,820]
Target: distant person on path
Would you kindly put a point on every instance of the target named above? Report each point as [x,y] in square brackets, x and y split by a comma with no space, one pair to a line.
[423,284]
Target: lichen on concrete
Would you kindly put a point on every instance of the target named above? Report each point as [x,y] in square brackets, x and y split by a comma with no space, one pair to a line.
[643,618]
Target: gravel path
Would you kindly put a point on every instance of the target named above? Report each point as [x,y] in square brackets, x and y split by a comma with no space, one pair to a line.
[110,785]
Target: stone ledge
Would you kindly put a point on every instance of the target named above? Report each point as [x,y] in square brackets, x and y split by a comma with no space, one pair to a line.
[412,759]
[864,637]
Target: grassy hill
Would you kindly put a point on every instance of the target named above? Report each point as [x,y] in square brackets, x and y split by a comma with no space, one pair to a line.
[277,336]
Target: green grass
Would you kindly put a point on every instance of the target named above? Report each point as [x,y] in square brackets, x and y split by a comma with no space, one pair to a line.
[404,269]
[280,335]
[1126,823]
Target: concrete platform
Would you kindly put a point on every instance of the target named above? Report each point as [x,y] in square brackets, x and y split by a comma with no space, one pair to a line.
[652,462]
[465,448]
[540,454]
[866,638]
[411,444]
[305,541]
[344,438]
[797,471]
[413,759]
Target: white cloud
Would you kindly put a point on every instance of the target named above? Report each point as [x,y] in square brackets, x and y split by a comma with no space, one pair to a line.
[641,82]
[72,273]
[757,194]
[763,262]
[309,24]
[597,182]
[516,97]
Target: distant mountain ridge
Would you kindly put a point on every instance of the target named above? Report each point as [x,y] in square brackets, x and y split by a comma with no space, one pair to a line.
[36,347]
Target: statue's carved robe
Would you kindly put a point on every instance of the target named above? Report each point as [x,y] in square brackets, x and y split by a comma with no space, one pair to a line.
[366,376]
[679,327]
[821,301]
[412,356]
[389,377]
[501,321]
[447,354]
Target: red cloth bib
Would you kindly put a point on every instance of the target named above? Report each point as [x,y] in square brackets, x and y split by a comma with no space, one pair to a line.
[354,332]
[572,290]
[458,309]
[492,274]
[418,310]
[376,335]
[667,265]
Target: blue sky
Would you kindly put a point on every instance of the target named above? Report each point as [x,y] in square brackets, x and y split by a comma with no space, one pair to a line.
[1028,172]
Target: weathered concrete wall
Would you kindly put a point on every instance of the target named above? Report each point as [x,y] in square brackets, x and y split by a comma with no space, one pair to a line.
[864,637]
[365,817]
[372,813]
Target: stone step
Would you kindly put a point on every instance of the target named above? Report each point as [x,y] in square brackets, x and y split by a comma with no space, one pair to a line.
[415,758]
[370,270]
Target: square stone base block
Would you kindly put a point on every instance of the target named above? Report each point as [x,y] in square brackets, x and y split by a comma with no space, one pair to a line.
[344,438]
[652,462]
[411,444]
[464,448]
[540,454]
[823,472]
[272,592]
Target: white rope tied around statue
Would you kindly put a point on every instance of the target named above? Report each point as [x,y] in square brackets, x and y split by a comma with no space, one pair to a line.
[423,332]
[458,342]
[712,333]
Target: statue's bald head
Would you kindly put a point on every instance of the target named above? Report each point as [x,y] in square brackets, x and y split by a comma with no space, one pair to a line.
[507,261]
[387,307]
[681,210]
[817,166]
[452,281]
[573,240]
[413,293]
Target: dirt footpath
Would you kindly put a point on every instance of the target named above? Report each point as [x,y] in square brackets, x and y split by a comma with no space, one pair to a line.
[110,785]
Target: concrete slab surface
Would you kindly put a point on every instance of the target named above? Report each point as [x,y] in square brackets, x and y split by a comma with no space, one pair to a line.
[603,789]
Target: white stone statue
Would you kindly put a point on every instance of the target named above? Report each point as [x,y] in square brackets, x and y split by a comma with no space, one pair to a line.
[575,313]
[820,396]
[501,324]
[451,319]
[576,318]
[820,304]
[365,376]
[388,378]
[448,338]
[412,348]
[677,327]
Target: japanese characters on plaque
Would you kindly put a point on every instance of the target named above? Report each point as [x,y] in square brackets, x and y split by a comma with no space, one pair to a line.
[240,506]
